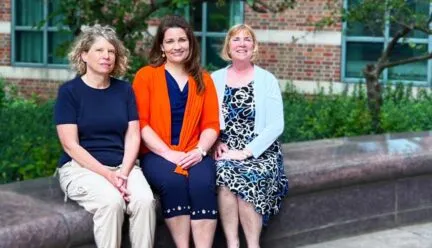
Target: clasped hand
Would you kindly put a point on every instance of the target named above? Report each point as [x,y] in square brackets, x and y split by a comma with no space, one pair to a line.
[119,181]
[221,151]
[183,159]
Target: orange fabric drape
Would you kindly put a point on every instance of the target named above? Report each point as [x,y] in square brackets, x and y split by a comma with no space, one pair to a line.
[202,111]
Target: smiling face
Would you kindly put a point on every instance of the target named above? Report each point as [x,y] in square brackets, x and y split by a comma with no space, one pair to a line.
[100,58]
[241,46]
[175,45]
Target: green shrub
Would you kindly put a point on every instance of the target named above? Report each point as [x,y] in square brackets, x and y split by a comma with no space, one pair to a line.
[343,115]
[28,141]
[30,148]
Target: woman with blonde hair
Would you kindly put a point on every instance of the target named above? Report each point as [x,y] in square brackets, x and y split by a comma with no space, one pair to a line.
[250,175]
[97,124]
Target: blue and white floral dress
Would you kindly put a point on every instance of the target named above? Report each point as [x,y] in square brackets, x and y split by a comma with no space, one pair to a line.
[260,181]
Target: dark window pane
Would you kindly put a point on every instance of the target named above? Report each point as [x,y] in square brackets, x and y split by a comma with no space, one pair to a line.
[195,16]
[218,16]
[53,7]
[29,47]
[28,12]
[413,71]
[416,10]
[359,29]
[58,43]
[358,55]
[213,49]
[373,26]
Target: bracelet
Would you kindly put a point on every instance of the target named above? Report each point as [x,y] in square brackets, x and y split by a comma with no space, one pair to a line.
[203,153]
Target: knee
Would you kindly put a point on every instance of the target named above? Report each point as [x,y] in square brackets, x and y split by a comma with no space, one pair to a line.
[225,192]
[142,203]
[113,203]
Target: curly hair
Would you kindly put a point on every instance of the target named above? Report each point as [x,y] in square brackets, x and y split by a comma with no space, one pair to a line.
[87,38]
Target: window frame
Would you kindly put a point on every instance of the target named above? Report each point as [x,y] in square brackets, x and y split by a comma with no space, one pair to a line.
[204,34]
[44,30]
[384,40]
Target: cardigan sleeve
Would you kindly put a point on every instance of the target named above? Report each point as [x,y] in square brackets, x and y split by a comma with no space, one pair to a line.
[210,112]
[141,88]
[274,118]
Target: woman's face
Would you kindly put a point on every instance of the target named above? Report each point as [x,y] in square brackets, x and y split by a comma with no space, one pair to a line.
[241,46]
[175,45]
[100,58]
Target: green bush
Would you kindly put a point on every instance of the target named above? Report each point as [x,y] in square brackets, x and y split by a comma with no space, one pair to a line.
[30,148]
[343,115]
[28,141]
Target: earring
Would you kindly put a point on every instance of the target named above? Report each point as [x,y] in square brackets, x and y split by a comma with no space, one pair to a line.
[163,54]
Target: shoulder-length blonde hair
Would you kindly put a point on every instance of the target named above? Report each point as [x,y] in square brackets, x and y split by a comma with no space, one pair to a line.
[225,54]
[192,63]
[87,38]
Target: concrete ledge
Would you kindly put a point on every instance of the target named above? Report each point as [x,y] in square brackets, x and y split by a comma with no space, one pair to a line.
[343,187]
[339,187]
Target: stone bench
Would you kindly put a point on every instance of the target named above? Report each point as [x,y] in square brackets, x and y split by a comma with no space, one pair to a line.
[339,187]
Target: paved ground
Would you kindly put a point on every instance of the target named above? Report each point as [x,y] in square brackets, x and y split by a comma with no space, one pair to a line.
[416,236]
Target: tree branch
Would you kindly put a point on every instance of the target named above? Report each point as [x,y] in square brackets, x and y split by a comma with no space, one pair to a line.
[416,27]
[262,7]
[407,61]
[386,53]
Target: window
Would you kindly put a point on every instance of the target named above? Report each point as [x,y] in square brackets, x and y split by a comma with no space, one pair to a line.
[363,44]
[211,21]
[32,45]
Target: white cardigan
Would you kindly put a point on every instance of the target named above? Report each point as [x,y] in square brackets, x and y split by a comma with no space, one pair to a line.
[269,118]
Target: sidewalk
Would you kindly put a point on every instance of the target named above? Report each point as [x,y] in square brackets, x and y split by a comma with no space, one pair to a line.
[415,236]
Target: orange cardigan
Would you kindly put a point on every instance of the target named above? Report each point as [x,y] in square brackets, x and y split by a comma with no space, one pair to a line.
[202,111]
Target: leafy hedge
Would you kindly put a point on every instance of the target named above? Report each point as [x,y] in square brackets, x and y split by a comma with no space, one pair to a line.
[29,147]
[28,143]
[343,115]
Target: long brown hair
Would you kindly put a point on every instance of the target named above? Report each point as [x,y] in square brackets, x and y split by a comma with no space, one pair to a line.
[192,62]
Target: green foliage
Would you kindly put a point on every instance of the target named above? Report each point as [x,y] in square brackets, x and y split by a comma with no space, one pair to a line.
[325,116]
[129,19]
[29,146]
[343,115]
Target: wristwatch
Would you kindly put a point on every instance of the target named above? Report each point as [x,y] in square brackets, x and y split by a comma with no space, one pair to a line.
[203,153]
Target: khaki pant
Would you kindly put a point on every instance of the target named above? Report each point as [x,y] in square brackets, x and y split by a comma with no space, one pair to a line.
[99,197]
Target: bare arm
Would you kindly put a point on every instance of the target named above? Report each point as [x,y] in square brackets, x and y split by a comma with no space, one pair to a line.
[68,135]
[155,144]
[132,142]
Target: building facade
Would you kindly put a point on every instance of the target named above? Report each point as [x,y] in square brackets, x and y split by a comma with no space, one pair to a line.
[289,46]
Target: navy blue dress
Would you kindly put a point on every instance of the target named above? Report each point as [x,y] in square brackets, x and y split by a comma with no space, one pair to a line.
[194,195]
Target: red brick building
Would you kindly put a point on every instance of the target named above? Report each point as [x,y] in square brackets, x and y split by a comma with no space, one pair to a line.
[288,45]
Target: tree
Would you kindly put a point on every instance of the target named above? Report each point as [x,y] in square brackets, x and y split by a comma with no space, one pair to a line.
[129,18]
[375,16]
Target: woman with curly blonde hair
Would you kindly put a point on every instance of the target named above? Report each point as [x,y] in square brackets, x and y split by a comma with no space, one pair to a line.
[97,124]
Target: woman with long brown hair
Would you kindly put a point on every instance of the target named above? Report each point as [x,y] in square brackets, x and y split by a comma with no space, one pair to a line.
[179,122]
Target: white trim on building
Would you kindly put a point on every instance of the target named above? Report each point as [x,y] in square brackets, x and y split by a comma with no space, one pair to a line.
[333,38]
[36,73]
[5,27]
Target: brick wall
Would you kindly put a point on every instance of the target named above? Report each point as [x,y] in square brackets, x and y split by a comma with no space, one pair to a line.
[43,88]
[5,10]
[305,13]
[301,62]
[5,51]
[293,61]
